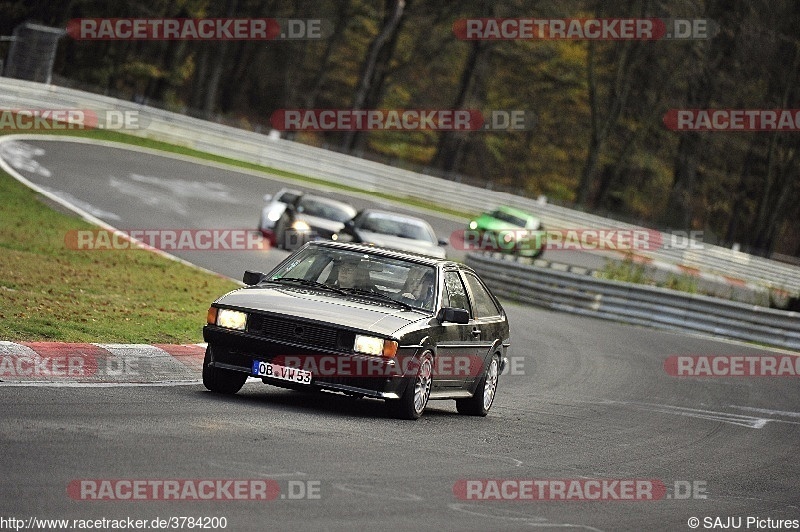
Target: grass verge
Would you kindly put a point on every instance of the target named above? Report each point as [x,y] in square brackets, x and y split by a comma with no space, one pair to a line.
[51,293]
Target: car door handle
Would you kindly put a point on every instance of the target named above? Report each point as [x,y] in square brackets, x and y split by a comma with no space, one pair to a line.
[476,332]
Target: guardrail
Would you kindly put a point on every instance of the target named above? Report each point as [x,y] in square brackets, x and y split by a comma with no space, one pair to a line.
[370,176]
[636,304]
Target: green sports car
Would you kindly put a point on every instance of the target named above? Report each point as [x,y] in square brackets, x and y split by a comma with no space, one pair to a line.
[507,229]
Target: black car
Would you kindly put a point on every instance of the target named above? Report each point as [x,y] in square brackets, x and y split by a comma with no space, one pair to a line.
[293,218]
[364,321]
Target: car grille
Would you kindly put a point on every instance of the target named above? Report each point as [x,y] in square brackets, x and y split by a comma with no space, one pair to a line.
[300,332]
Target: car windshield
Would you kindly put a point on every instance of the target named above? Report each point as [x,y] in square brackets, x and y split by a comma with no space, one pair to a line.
[509,218]
[338,212]
[362,274]
[398,226]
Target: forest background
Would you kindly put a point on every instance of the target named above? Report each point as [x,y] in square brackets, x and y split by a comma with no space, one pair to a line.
[598,142]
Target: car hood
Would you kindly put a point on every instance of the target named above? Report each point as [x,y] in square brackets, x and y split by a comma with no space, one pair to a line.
[402,244]
[320,305]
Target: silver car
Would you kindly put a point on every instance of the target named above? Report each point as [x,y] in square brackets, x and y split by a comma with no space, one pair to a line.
[394,231]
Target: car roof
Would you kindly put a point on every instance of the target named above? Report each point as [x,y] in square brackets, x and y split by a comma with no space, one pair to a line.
[289,190]
[326,200]
[516,212]
[385,252]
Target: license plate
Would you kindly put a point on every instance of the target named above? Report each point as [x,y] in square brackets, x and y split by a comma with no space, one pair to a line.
[274,371]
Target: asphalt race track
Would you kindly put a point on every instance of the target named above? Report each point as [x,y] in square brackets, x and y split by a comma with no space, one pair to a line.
[586,400]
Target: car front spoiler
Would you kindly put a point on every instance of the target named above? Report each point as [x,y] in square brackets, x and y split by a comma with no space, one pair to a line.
[353,390]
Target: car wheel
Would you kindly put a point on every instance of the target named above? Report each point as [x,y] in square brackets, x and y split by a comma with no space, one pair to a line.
[280,232]
[480,403]
[412,403]
[221,380]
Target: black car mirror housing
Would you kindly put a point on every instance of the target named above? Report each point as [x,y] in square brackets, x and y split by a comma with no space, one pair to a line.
[452,315]
[349,227]
[251,278]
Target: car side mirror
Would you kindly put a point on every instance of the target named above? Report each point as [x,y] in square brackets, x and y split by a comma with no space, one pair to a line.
[251,278]
[452,315]
[268,197]
[444,242]
[349,228]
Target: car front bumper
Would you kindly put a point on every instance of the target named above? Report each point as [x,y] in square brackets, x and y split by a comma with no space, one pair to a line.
[363,374]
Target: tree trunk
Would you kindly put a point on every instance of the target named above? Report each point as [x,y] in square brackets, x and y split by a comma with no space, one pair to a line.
[218,65]
[766,220]
[391,23]
[447,150]
[628,54]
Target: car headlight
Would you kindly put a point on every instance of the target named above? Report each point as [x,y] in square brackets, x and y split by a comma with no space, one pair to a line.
[370,345]
[274,216]
[231,319]
[300,225]
[473,225]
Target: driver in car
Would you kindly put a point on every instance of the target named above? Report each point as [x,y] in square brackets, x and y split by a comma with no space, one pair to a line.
[419,289]
[351,274]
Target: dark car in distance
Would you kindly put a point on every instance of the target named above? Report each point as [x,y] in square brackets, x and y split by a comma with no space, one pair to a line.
[363,321]
[291,218]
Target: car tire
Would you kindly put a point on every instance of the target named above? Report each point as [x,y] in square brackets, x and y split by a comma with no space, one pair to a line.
[480,403]
[280,231]
[415,397]
[221,380]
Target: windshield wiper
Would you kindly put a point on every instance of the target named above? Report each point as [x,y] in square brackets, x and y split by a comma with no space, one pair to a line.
[377,295]
[308,282]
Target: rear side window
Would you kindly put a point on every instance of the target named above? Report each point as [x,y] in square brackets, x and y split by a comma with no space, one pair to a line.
[454,293]
[484,304]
